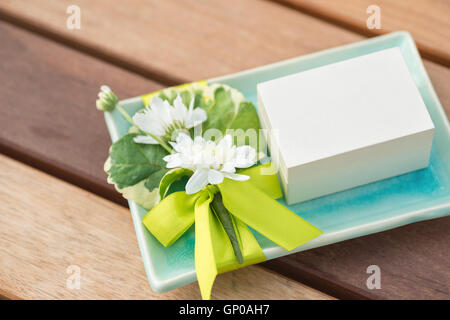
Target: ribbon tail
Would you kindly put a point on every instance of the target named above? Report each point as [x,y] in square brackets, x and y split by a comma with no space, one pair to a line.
[213,250]
[205,231]
[258,210]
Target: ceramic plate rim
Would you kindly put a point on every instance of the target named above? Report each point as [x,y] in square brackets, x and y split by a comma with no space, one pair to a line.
[429,212]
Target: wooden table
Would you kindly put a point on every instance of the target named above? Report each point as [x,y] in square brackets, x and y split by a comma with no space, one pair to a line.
[57,209]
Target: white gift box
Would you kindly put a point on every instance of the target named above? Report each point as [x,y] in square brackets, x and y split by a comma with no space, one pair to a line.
[345,124]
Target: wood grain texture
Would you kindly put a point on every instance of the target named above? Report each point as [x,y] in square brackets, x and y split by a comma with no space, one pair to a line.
[48,225]
[413,260]
[288,32]
[427,20]
[173,39]
[48,117]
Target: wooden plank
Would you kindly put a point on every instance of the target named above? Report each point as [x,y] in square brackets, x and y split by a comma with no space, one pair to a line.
[182,40]
[325,276]
[48,225]
[427,20]
[413,256]
[48,116]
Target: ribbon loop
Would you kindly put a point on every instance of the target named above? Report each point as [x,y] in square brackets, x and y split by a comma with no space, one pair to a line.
[264,178]
[172,217]
[250,203]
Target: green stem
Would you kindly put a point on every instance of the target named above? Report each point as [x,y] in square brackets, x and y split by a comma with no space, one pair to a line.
[124,114]
[225,218]
[127,117]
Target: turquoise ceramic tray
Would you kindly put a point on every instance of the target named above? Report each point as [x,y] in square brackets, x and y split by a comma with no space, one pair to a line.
[416,196]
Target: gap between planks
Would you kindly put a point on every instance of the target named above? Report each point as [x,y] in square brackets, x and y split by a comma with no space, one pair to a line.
[96,52]
[330,13]
[43,234]
[345,37]
[166,77]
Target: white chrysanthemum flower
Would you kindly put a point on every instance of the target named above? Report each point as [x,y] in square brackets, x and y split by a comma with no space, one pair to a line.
[210,162]
[107,100]
[162,120]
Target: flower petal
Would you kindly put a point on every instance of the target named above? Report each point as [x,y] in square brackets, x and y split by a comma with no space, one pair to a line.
[197,181]
[146,122]
[190,109]
[228,167]
[173,160]
[197,116]
[199,140]
[105,88]
[215,177]
[183,138]
[161,109]
[237,177]
[226,142]
[145,139]
[245,157]
[183,143]
[179,110]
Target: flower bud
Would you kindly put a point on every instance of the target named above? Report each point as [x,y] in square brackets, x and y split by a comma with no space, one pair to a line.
[107,100]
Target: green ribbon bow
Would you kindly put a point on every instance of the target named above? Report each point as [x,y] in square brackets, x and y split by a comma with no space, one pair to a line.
[250,203]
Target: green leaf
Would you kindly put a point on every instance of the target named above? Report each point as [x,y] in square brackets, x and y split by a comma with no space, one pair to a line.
[137,193]
[246,118]
[185,93]
[222,112]
[246,126]
[201,100]
[164,96]
[227,222]
[153,181]
[185,97]
[138,171]
[170,177]
[231,114]
[132,162]
[141,195]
